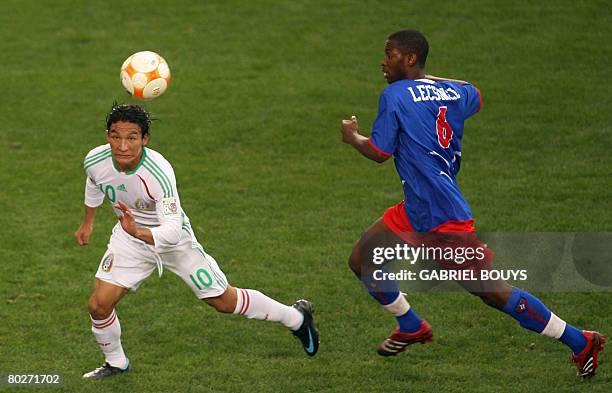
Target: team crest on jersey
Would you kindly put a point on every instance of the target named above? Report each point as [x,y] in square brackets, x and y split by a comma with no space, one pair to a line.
[141,204]
[169,206]
[107,263]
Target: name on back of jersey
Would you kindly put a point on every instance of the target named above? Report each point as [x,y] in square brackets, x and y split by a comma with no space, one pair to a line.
[433,93]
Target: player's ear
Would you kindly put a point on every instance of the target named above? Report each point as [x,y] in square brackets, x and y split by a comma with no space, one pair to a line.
[145,139]
[410,59]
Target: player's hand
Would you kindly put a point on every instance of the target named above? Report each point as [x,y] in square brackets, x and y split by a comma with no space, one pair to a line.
[82,234]
[349,129]
[127,220]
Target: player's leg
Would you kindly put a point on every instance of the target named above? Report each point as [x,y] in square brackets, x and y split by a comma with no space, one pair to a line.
[529,311]
[532,314]
[411,328]
[118,272]
[106,328]
[103,299]
[255,305]
[203,275]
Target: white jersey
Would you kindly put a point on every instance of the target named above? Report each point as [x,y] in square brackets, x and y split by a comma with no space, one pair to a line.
[149,191]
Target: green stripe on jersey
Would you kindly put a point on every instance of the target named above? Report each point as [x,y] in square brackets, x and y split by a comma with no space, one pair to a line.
[157,177]
[161,173]
[155,166]
[95,156]
[99,159]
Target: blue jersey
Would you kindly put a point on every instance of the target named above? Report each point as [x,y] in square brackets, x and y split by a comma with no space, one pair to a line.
[420,123]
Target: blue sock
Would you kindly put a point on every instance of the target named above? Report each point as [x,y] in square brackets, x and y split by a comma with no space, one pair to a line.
[528,310]
[532,314]
[573,338]
[386,292]
[409,322]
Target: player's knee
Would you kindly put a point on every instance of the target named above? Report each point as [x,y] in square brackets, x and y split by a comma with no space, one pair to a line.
[220,306]
[493,299]
[99,309]
[492,293]
[221,303]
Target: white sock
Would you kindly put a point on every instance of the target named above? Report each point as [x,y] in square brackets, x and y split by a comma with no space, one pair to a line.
[256,305]
[555,327]
[399,306]
[108,336]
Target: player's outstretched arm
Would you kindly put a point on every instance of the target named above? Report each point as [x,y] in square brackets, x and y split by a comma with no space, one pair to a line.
[128,223]
[439,79]
[350,135]
[86,227]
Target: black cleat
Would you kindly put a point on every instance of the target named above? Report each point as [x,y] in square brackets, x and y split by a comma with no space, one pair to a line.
[106,371]
[307,333]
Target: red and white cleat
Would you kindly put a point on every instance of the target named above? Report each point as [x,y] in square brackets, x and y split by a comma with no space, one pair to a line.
[586,361]
[398,341]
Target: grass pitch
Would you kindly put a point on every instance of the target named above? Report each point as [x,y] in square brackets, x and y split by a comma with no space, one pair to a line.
[250,123]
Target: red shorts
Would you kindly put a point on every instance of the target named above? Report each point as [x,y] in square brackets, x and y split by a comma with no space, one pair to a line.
[454,234]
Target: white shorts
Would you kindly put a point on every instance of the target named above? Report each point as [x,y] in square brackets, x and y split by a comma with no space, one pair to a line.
[129,261]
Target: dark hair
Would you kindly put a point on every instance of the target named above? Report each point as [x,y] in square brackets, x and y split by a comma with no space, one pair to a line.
[412,41]
[131,113]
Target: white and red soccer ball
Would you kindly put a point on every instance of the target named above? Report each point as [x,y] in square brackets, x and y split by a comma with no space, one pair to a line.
[145,75]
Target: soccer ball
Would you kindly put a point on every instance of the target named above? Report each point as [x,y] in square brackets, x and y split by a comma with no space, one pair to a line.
[145,75]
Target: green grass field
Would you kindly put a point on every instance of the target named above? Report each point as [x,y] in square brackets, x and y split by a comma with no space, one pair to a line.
[250,124]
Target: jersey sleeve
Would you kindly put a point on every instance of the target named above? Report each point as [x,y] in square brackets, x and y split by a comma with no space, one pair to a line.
[167,204]
[94,196]
[472,100]
[385,129]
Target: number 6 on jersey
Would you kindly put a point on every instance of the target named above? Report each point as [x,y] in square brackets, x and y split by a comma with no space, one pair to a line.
[444,130]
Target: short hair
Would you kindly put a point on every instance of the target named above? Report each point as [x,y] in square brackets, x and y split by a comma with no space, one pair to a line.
[412,41]
[130,113]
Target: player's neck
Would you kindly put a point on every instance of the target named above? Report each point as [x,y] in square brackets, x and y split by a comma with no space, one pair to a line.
[414,74]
